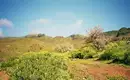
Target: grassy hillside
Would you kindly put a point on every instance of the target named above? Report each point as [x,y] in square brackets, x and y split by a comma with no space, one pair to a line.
[15,46]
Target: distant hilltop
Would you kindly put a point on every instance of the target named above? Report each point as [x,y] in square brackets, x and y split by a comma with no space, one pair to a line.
[119,33]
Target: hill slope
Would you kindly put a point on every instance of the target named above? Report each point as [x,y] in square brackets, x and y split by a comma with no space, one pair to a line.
[121,32]
[16,46]
[12,47]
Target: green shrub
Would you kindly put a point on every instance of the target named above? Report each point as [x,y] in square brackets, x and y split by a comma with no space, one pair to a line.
[85,52]
[116,78]
[77,54]
[88,55]
[37,67]
[89,51]
[106,56]
[118,52]
[127,57]
[81,55]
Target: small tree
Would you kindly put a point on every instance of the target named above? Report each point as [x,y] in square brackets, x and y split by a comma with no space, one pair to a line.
[97,37]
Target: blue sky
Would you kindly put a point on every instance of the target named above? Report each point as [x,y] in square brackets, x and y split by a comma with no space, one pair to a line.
[61,17]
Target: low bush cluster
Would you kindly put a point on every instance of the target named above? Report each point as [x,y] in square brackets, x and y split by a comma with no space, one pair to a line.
[81,55]
[77,54]
[116,78]
[37,67]
[84,53]
[118,52]
[126,59]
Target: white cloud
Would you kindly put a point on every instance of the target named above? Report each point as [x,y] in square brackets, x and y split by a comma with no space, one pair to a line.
[1,33]
[6,22]
[39,21]
[79,22]
[74,28]
[56,29]
[34,32]
[44,21]
[35,26]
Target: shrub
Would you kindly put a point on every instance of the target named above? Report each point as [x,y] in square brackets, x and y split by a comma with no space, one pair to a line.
[127,58]
[66,47]
[37,67]
[115,53]
[77,54]
[106,56]
[81,54]
[116,78]
[89,51]
[87,56]
[118,52]
[89,48]
[111,45]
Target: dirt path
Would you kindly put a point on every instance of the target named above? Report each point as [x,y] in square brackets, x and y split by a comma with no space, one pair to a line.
[99,71]
[3,76]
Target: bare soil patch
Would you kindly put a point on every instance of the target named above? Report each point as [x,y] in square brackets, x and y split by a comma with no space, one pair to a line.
[3,76]
[98,70]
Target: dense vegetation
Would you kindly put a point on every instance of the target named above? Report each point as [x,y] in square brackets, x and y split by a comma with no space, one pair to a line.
[104,48]
[111,33]
[118,52]
[121,32]
[40,66]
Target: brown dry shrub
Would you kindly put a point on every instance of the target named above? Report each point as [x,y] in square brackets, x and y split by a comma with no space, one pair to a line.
[97,37]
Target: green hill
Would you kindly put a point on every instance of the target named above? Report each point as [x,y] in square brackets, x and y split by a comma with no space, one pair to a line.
[118,33]
[111,33]
[123,32]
